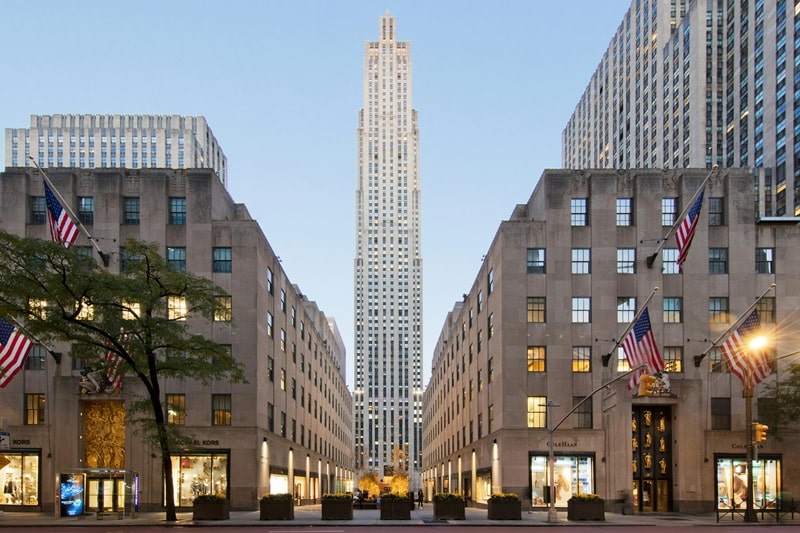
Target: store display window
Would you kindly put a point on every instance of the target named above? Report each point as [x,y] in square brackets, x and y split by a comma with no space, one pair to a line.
[20,478]
[197,474]
[572,474]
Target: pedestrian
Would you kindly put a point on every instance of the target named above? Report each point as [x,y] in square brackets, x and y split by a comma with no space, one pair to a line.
[420,498]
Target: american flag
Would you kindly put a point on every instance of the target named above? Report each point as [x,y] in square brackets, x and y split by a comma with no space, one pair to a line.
[685,232]
[14,348]
[640,349]
[748,364]
[63,229]
[112,365]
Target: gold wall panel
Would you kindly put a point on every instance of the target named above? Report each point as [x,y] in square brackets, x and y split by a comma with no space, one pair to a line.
[104,434]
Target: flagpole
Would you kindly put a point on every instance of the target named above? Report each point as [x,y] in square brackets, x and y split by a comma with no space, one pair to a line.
[104,256]
[630,326]
[699,358]
[652,257]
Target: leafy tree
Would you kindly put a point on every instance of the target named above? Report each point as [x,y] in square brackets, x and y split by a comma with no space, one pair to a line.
[369,484]
[61,295]
[779,405]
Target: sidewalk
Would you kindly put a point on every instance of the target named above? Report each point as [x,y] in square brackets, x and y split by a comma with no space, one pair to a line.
[309,515]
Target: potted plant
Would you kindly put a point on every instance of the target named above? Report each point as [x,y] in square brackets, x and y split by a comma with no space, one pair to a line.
[211,507]
[504,506]
[586,507]
[396,507]
[337,506]
[276,507]
[448,506]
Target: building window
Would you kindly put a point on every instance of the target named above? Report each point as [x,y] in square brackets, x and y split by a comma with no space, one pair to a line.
[717,260]
[624,211]
[176,308]
[177,210]
[622,361]
[490,370]
[130,210]
[717,362]
[34,409]
[176,409]
[36,356]
[490,325]
[220,409]
[270,417]
[581,310]
[765,260]
[581,359]
[672,310]
[176,257]
[536,264]
[537,412]
[582,416]
[669,211]
[626,260]
[491,418]
[270,281]
[537,359]
[716,211]
[766,310]
[221,259]
[721,413]
[669,262]
[718,310]
[578,212]
[223,308]
[490,281]
[283,301]
[38,210]
[283,424]
[626,309]
[271,369]
[86,209]
[581,260]
[283,379]
[480,301]
[270,325]
[126,259]
[537,307]
[673,359]
[283,340]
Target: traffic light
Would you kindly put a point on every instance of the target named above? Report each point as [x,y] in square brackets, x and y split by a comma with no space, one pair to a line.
[647,384]
[760,432]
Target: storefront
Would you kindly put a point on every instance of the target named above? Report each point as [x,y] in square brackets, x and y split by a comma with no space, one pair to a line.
[731,482]
[572,474]
[19,472]
[200,473]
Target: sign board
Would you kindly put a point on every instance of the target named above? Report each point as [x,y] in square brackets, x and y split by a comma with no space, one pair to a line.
[5,440]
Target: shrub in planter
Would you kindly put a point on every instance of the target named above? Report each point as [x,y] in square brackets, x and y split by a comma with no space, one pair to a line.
[448,506]
[586,507]
[276,507]
[337,506]
[211,507]
[396,507]
[504,506]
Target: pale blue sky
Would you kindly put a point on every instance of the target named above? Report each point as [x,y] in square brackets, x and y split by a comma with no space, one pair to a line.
[280,83]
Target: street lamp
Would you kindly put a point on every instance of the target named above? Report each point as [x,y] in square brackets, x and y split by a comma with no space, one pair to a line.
[756,343]
[552,515]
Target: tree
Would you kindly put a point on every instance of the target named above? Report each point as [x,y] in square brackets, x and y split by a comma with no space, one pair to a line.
[368,484]
[779,405]
[56,294]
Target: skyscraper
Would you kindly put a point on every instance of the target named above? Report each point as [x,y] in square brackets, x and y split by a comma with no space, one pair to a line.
[116,141]
[388,265]
[697,84]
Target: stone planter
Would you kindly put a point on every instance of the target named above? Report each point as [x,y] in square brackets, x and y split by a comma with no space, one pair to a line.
[396,509]
[449,509]
[276,510]
[504,510]
[337,509]
[211,510]
[586,509]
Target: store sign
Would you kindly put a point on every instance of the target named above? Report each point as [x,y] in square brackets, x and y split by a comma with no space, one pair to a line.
[5,440]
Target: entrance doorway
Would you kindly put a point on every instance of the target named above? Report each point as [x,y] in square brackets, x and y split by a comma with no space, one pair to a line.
[651,438]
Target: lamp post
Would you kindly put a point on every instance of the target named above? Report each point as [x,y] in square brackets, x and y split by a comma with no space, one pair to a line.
[749,512]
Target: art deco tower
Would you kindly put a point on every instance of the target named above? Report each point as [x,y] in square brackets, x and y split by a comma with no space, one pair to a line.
[388,265]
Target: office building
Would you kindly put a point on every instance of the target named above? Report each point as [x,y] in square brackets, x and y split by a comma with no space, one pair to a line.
[388,264]
[116,141]
[287,429]
[697,84]
[539,331]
